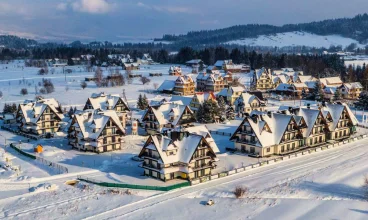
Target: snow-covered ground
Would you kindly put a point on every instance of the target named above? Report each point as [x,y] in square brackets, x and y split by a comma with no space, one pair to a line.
[328,181]
[296,38]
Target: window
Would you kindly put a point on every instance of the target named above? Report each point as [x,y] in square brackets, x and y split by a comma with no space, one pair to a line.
[268,150]
[293,146]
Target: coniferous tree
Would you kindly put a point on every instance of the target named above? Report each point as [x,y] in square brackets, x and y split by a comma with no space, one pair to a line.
[318,93]
[199,114]
[145,102]
[221,107]
[140,102]
[337,95]
[230,115]
[362,101]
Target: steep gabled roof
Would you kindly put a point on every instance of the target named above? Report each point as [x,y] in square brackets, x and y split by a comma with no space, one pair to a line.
[33,110]
[106,102]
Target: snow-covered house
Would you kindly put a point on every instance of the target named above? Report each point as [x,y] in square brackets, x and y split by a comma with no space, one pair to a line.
[109,102]
[167,86]
[180,155]
[264,134]
[131,66]
[212,82]
[39,117]
[231,94]
[194,63]
[167,116]
[96,130]
[8,118]
[247,102]
[175,71]
[203,130]
[316,130]
[263,79]
[184,85]
[199,98]
[146,59]
[342,123]
[331,81]
[351,90]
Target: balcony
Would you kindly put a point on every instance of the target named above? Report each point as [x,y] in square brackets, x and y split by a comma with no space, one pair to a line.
[147,165]
[150,156]
[203,166]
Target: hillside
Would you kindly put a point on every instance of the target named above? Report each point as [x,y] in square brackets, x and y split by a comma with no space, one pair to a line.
[354,28]
[16,42]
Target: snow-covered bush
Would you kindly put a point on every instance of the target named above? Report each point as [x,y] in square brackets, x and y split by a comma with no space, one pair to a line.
[240,191]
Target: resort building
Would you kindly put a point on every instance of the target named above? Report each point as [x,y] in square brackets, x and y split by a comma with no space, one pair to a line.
[39,117]
[96,130]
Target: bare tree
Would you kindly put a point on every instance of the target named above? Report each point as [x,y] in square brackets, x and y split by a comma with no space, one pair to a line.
[24,91]
[155,86]
[365,187]
[66,88]
[83,85]
[236,82]
[145,80]
[1,94]
[98,77]
[128,77]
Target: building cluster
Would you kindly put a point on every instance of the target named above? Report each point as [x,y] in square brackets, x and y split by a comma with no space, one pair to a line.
[290,129]
[294,83]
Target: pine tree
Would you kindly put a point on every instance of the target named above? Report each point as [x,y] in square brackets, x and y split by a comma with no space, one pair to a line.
[140,102]
[362,101]
[318,93]
[337,95]
[230,115]
[145,102]
[70,112]
[222,107]
[210,111]
[199,114]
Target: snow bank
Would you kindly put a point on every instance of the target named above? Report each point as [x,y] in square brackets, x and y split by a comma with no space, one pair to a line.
[43,187]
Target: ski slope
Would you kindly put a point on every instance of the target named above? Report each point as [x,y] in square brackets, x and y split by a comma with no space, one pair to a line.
[296,38]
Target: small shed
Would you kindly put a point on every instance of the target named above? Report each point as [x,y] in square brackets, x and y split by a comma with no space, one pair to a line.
[38,149]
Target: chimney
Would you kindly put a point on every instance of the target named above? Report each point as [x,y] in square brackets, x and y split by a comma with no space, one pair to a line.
[269,114]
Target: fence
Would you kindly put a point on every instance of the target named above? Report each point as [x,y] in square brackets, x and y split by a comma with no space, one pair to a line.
[296,154]
[221,133]
[132,186]
[58,167]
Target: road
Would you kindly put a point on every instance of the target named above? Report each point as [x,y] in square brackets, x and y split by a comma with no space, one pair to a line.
[260,178]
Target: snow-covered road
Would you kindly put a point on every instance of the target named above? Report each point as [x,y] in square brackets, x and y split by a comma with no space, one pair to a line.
[330,176]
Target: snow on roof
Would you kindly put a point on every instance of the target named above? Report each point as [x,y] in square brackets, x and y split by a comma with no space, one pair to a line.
[166,111]
[196,61]
[204,96]
[223,92]
[259,72]
[304,79]
[184,147]
[246,99]
[335,111]
[284,87]
[167,85]
[33,110]
[185,100]
[353,85]
[277,124]
[287,69]
[204,132]
[331,80]
[92,122]
[237,89]
[300,85]
[105,102]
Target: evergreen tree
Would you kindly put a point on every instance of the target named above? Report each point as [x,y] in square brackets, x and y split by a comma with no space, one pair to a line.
[230,115]
[222,107]
[140,102]
[70,62]
[337,95]
[362,101]
[145,102]
[318,93]
[70,112]
[199,114]
[210,111]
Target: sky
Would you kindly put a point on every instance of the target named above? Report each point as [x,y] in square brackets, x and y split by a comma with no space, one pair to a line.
[138,20]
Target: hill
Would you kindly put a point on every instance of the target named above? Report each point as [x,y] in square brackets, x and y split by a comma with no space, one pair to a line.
[16,42]
[355,28]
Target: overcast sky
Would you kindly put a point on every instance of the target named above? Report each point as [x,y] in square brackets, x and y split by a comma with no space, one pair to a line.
[118,20]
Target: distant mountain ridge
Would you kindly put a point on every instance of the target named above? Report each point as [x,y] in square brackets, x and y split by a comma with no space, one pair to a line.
[11,41]
[355,28]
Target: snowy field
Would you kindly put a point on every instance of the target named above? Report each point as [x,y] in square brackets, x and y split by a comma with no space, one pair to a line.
[324,185]
[296,38]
